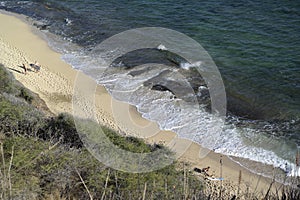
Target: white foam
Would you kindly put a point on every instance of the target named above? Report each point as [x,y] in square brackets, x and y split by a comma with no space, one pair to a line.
[162,47]
[233,145]
[201,89]
[68,21]
[187,66]
[294,171]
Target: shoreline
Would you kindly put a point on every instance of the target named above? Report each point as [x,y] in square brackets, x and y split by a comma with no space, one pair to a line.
[54,84]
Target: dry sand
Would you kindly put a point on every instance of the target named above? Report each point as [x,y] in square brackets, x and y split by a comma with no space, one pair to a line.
[22,43]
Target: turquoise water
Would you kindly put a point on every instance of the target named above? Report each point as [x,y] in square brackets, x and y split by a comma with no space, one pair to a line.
[256,46]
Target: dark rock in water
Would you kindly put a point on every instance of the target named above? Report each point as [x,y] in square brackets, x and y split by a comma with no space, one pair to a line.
[203,97]
[137,72]
[40,25]
[185,86]
[140,57]
[239,107]
[161,88]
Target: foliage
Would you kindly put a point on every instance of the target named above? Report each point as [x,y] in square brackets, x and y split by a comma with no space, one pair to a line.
[127,143]
[9,85]
[40,168]
[25,94]
[60,128]
[6,81]
[9,111]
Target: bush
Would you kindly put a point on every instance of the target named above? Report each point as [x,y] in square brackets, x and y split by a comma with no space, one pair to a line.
[39,169]
[25,94]
[6,81]
[9,85]
[9,111]
[61,128]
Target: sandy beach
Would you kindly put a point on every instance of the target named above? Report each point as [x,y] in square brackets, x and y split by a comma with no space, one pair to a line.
[22,43]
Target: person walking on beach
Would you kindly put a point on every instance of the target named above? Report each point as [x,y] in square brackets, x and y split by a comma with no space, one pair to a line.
[205,170]
[25,68]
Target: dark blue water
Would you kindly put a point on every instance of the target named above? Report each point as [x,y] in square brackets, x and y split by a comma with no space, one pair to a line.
[256,46]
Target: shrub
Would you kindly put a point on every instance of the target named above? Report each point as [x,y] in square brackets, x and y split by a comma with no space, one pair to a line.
[61,128]
[25,94]
[9,111]
[6,81]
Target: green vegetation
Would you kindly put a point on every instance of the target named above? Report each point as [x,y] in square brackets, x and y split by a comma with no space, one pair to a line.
[40,169]
[10,86]
[6,81]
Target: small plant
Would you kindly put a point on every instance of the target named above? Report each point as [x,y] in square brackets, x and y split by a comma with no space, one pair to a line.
[25,94]
[6,81]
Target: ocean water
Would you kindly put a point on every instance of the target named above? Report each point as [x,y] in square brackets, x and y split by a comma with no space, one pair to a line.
[255,45]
